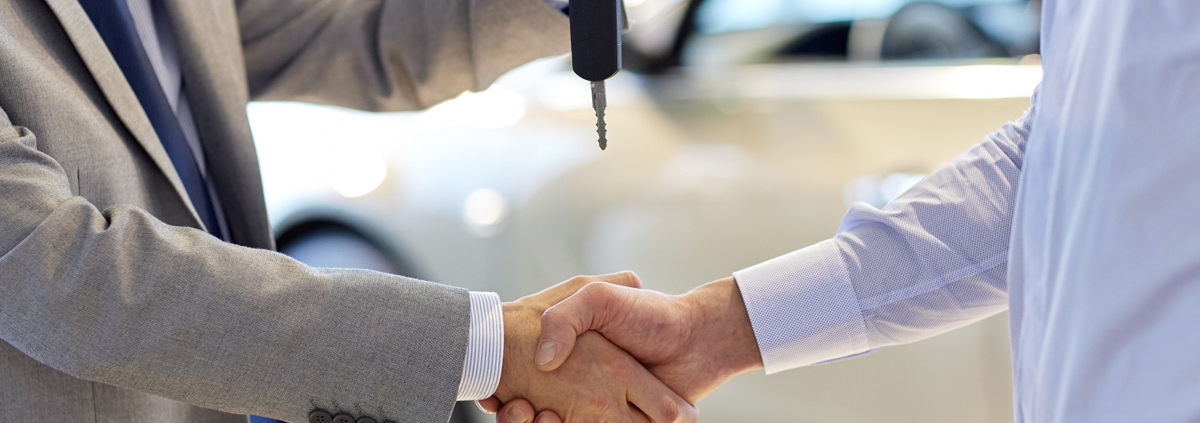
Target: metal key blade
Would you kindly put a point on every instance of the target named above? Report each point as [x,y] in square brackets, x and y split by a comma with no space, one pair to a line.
[599,102]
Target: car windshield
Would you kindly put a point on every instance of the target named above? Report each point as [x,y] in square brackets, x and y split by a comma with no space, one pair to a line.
[719,16]
[763,31]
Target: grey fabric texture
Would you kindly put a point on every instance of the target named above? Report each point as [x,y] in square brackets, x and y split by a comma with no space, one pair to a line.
[116,307]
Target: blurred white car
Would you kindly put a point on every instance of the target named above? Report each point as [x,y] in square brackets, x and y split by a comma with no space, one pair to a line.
[740,131]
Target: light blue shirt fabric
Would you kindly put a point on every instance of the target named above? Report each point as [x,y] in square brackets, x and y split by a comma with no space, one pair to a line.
[485,339]
[1082,217]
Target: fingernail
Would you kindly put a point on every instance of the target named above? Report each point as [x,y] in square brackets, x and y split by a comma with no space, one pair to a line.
[515,415]
[545,353]
[543,419]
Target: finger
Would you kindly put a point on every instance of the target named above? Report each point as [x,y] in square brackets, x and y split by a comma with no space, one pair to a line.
[547,416]
[637,416]
[588,309]
[555,294]
[515,411]
[657,401]
[489,405]
[626,279]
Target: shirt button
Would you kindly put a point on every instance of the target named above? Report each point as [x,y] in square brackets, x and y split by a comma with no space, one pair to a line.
[343,418]
[319,416]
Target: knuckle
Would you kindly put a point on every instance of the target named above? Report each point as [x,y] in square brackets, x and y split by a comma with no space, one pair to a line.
[590,294]
[624,370]
[604,406]
[550,321]
[630,277]
[551,314]
[553,321]
[597,290]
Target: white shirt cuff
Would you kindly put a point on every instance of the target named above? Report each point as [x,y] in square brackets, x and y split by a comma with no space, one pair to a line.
[803,308]
[485,348]
[557,4]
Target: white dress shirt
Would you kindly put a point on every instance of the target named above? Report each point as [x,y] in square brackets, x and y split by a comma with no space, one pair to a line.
[485,339]
[1096,252]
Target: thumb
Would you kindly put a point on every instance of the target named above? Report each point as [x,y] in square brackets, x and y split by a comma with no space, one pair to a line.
[591,308]
[516,411]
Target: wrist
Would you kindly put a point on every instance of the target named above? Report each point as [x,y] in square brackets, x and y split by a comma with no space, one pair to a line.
[720,313]
[520,331]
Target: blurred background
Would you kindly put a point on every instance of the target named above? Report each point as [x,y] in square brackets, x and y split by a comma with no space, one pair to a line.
[739,130]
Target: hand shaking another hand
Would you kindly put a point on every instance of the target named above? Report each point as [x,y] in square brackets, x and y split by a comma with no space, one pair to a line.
[599,382]
[689,344]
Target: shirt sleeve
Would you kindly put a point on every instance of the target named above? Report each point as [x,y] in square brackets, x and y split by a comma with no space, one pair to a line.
[485,348]
[932,260]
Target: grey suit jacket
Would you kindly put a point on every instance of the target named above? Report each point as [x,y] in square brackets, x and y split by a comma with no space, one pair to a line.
[115,307]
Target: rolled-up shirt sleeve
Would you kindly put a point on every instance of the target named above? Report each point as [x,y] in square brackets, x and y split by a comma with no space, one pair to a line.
[932,260]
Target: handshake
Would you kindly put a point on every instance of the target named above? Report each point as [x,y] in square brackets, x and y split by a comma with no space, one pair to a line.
[598,348]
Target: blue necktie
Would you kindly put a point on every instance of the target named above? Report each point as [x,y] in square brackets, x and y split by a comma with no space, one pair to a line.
[115,25]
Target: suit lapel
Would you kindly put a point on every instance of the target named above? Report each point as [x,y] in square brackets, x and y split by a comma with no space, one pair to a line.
[116,89]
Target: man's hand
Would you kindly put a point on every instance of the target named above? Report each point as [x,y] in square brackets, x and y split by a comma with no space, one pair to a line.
[600,382]
[693,342]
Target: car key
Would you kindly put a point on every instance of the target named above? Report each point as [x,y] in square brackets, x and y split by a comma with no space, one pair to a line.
[598,102]
[596,49]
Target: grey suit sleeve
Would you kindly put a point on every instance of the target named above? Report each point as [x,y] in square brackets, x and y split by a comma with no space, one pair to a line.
[118,297]
[390,54]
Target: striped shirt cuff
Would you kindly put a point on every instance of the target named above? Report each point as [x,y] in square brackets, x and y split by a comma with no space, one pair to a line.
[485,348]
[803,308]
